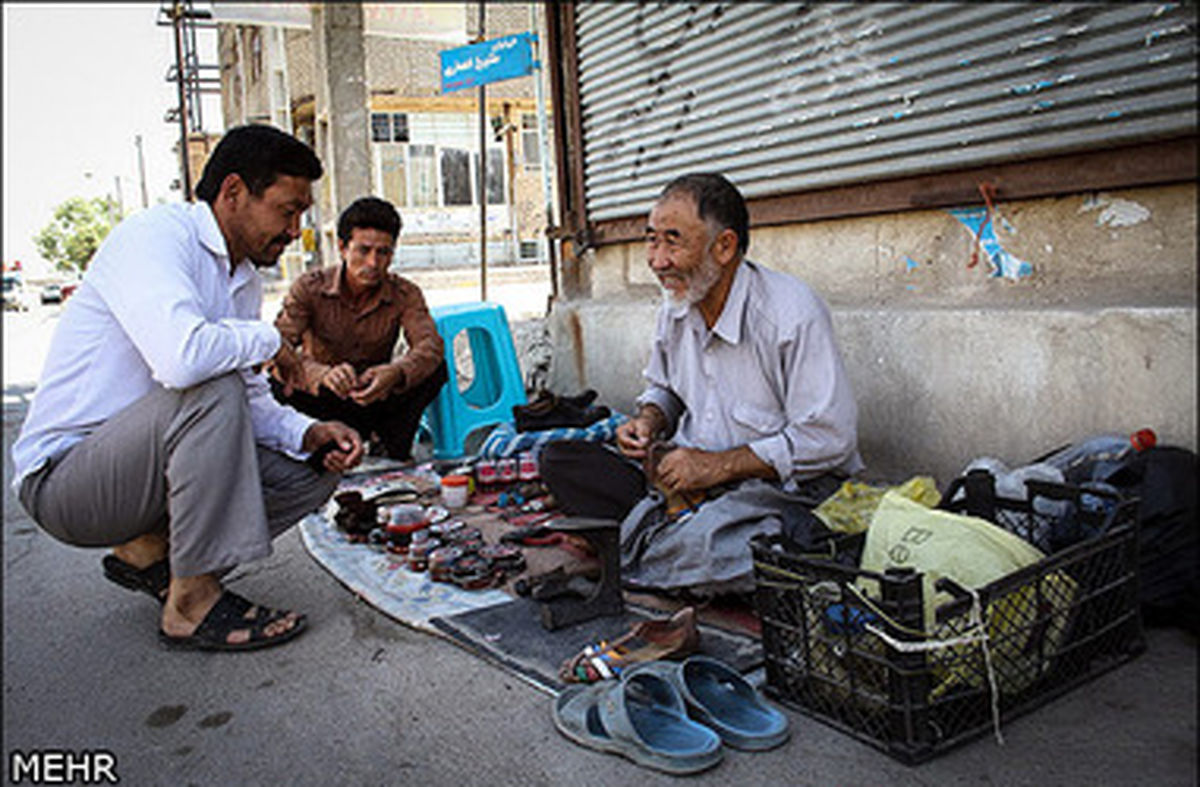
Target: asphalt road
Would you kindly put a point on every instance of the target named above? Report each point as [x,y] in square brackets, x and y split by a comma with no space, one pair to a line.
[362,700]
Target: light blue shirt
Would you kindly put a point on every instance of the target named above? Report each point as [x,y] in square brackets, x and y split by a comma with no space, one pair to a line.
[768,376]
[157,307]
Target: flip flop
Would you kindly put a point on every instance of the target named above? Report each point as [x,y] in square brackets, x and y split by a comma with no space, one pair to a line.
[719,697]
[151,580]
[229,615]
[642,719]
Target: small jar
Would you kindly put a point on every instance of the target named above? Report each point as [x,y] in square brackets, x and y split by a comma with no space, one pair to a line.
[485,473]
[455,490]
[527,467]
[506,470]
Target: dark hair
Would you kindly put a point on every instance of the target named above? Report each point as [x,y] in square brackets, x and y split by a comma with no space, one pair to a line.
[258,154]
[717,200]
[369,213]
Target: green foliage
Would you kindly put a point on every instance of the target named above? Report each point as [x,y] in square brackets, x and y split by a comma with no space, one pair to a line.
[79,225]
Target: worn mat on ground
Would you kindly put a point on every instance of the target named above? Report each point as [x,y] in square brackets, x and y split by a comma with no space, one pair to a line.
[494,623]
[511,635]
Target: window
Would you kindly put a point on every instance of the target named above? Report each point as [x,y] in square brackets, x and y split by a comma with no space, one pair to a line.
[381,127]
[392,183]
[422,168]
[531,151]
[399,127]
[440,169]
[495,176]
[389,127]
[456,177]
[530,250]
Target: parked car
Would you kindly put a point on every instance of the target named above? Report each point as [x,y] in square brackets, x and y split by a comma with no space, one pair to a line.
[52,293]
[13,292]
[69,289]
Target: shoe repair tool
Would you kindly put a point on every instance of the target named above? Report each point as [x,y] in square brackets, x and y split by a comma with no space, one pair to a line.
[603,535]
[532,536]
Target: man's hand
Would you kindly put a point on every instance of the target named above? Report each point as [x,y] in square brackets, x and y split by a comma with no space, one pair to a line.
[686,469]
[286,367]
[341,379]
[691,469]
[377,382]
[634,436]
[349,448]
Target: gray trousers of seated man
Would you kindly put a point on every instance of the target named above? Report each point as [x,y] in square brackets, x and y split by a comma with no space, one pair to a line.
[185,460]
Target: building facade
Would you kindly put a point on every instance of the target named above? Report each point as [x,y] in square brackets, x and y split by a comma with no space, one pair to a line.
[399,137]
[998,201]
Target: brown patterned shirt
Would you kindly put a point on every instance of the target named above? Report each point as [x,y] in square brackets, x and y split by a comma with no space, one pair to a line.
[321,320]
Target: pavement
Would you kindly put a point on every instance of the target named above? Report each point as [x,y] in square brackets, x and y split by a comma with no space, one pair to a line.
[360,699]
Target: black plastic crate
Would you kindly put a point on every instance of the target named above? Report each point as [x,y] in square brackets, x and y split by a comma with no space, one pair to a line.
[1054,625]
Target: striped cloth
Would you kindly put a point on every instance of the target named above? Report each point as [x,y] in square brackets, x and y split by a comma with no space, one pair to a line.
[505,440]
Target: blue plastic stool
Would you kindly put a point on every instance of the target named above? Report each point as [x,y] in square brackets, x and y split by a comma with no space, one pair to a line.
[497,386]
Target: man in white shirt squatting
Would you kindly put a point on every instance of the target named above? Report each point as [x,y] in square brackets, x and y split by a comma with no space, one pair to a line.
[153,430]
[747,420]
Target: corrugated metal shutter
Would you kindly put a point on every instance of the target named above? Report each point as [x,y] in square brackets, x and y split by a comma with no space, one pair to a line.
[783,97]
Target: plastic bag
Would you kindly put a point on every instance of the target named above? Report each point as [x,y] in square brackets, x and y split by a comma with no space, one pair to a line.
[973,552]
[849,510]
[969,550]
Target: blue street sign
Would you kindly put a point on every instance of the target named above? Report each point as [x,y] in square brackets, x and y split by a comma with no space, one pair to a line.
[488,61]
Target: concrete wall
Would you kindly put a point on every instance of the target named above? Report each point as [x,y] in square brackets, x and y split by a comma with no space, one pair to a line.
[950,362]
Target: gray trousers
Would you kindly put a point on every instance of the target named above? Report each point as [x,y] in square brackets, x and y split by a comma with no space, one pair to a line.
[185,460]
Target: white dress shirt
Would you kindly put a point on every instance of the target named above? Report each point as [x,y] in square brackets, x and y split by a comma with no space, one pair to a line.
[768,376]
[157,306]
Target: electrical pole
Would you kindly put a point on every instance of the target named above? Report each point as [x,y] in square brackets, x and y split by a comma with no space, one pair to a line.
[142,171]
[482,173]
[184,164]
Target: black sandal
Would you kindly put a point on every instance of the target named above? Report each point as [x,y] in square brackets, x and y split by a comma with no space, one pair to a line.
[229,615]
[152,580]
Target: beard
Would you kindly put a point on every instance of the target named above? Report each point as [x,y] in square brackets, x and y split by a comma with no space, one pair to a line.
[699,282]
[267,256]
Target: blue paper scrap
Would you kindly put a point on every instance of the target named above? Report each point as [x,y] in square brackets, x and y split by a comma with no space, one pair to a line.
[1002,263]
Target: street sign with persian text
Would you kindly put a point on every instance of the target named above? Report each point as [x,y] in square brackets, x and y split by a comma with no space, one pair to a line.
[488,61]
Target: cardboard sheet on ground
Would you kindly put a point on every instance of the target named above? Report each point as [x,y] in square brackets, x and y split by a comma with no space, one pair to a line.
[494,623]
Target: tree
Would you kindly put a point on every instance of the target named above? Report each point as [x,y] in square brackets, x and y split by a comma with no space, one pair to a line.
[79,225]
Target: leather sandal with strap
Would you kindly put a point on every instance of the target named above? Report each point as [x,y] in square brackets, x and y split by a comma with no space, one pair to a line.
[151,580]
[647,640]
[231,614]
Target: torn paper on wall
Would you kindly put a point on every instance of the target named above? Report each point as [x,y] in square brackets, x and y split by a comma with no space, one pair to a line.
[1002,263]
[1115,212]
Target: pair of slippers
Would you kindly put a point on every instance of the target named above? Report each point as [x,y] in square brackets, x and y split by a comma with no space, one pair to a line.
[672,717]
[231,614]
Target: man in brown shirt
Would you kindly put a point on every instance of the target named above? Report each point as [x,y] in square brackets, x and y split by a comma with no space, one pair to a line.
[346,320]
